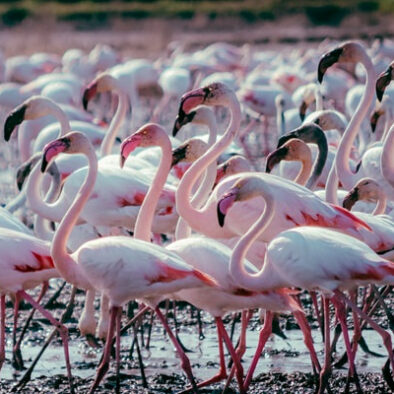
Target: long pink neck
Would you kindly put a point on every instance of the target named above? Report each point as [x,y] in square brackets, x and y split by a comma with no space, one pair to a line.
[305,171]
[36,202]
[387,158]
[332,186]
[64,262]
[117,120]
[142,229]
[259,281]
[24,140]
[381,205]
[196,217]
[346,176]
[183,230]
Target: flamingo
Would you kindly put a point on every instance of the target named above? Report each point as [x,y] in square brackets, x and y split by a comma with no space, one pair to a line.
[121,268]
[26,263]
[298,257]
[306,208]
[354,52]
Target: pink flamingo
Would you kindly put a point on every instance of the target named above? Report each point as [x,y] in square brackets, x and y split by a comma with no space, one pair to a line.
[305,209]
[26,263]
[298,257]
[119,267]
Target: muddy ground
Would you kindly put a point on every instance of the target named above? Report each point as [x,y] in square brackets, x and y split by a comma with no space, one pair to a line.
[284,366]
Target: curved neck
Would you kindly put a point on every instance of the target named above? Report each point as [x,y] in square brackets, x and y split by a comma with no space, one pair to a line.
[65,264]
[332,186]
[61,116]
[347,177]
[117,120]
[318,98]
[183,205]
[303,174]
[280,120]
[256,281]
[183,230]
[321,141]
[35,200]
[380,208]
[387,157]
[146,213]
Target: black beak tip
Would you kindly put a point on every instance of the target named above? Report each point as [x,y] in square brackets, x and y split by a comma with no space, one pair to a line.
[221,217]
[44,164]
[379,94]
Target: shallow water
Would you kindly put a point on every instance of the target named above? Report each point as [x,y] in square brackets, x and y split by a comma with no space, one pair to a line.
[279,355]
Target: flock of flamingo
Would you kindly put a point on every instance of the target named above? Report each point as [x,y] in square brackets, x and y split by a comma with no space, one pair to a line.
[213,220]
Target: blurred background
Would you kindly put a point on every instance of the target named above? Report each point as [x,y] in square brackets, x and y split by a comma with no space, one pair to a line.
[121,23]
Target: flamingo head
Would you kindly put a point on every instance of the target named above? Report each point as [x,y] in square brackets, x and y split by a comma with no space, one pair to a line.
[275,157]
[384,80]
[244,189]
[189,151]
[234,165]
[181,120]
[102,83]
[148,135]
[32,108]
[366,189]
[348,52]
[374,118]
[214,94]
[73,142]
[24,170]
[308,132]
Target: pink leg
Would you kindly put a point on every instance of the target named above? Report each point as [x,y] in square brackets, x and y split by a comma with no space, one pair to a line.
[61,328]
[240,351]
[231,350]
[306,330]
[383,333]
[341,313]
[326,371]
[318,315]
[17,355]
[265,332]
[118,322]
[222,374]
[104,365]
[2,330]
[185,363]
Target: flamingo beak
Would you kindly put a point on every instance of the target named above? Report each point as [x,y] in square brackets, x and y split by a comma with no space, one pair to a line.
[350,199]
[88,94]
[302,110]
[275,158]
[181,120]
[382,82]
[225,203]
[179,154]
[22,173]
[52,149]
[327,61]
[15,118]
[128,146]
[374,120]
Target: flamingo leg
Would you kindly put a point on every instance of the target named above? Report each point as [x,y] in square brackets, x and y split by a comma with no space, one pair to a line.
[326,371]
[140,362]
[185,362]
[241,348]
[306,330]
[60,327]
[383,333]
[222,374]
[341,313]
[118,323]
[317,311]
[2,330]
[104,364]
[65,315]
[231,350]
[17,361]
[265,332]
